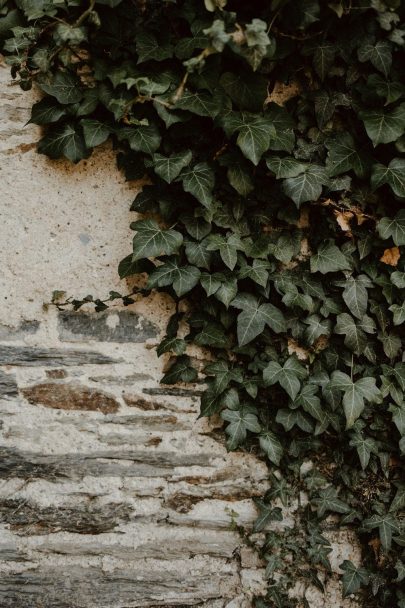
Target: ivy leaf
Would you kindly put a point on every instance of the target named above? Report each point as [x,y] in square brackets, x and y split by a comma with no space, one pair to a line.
[283,138]
[317,327]
[355,296]
[254,133]
[127,267]
[328,501]
[393,227]
[270,444]
[210,403]
[398,279]
[365,446]
[64,140]
[183,278]
[95,132]
[391,90]
[379,54]
[65,86]
[199,181]
[169,167]
[384,127]
[288,375]
[398,313]
[285,166]
[354,394]
[258,272]
[151,241]
[180,371]
[248,91]
[197,253]
[46,111]
[387,526]
[353,577]
[306,186]
[200,103]
[239,423]
[343,156]
[227,291]
[148,47]
[143,138]
[267,513]
[393,175]
[227,247]
[254,317]
[323,58]
[328,258]
[171,344]
[210,283]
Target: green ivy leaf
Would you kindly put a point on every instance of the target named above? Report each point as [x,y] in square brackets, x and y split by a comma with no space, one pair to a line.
[393,227]
[387,526]
[46,111]
[328,258]
[353,578]
[355,394]
[267,513]
[306,186]
[378,53]
[95,132]
[343,156]
[169,167]
[254,133]
[288,376]
[393,175]
[143,138]
[271,446]
[285,166]
[355,295]
[173,345]
[180,371]
[65,86]
[254,317]
[382,126]
[64,140]
[148,47]
[199,181]
[151,241]
[239,423]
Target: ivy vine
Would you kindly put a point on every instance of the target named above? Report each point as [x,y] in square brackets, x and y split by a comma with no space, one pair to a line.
[272,137]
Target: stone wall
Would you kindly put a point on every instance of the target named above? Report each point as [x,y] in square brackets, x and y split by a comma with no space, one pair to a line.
[112,493]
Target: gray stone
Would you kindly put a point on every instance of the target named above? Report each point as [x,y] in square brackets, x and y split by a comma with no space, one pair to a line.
[121,326]
[50,357]
[148,463]
[24,518]
[17,333]
[8,385]
[51,587]
[175,392]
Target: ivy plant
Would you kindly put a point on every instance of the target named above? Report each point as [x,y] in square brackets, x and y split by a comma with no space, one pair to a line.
[271,139]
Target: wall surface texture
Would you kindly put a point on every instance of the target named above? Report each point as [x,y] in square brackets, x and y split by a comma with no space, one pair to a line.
[112,493]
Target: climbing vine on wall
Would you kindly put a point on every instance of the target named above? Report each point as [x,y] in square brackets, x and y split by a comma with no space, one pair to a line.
[271,136]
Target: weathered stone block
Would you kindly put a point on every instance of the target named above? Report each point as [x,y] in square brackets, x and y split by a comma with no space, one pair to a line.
[122,326]
[50,357]
[17,333]
[70,397]
[8,385]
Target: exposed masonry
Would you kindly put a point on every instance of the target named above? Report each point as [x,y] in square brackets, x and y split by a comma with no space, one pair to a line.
[112,493]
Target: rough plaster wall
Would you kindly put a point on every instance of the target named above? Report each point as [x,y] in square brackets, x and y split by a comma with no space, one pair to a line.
[112,493]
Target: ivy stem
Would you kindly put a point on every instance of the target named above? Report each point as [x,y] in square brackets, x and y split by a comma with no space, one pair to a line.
[86,13]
